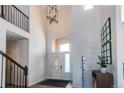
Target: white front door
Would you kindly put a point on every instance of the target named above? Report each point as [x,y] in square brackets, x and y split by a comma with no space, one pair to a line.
[55,66]
[66,66]
[60,66]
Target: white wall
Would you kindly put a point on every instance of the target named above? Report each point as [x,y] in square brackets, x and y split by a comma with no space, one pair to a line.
[37,44]
[117,42]
[85,37]
[120,48]
[86,26]
[56,31]
[19,51]
[105,12]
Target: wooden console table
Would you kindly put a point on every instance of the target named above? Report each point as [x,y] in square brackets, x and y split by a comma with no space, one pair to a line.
[102,80]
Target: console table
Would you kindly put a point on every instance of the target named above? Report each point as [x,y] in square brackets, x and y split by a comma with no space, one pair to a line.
[102,80]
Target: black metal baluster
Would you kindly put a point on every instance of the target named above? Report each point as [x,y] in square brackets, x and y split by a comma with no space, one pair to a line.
[18,19]
[20,78]
[13,15]
[28,25]
[26,73]
[6,72]
[17,76]
[22,23]
[25,23]
[14,75]
[23,78]
[2,73]
[5,12]
[2,10]
[8,78]
[10,72]
[8,13]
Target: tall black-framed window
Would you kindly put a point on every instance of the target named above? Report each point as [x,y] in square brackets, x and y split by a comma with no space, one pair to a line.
[106,49]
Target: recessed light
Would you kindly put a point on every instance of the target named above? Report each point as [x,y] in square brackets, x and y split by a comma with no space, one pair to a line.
[122,14]
[87,7]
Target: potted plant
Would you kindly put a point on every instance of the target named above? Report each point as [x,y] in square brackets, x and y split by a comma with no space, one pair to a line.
[102,63]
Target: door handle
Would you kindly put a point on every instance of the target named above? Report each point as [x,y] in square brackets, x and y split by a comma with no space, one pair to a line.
[60,67]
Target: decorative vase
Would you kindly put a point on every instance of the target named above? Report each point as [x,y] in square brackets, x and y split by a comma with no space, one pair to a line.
[103,69]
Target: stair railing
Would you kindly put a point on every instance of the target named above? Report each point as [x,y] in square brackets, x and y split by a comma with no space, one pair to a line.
[15,16]
[15,74]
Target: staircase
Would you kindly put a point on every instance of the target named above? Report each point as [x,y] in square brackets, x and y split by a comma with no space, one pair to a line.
[14,75]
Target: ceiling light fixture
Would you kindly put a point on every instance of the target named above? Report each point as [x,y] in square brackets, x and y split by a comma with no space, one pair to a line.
[52,13]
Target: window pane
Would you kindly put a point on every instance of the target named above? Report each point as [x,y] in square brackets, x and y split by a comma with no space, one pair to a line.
[67,63]
[64,48]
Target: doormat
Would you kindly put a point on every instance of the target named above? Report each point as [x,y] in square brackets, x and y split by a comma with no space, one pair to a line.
[55,83]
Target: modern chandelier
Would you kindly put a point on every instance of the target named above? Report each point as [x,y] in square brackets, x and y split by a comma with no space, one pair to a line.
[52,13]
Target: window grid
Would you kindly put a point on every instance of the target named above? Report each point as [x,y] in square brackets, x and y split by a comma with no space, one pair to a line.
[106,42]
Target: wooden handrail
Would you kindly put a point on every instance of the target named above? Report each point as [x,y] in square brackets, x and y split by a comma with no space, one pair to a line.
[3,54]
[20,11]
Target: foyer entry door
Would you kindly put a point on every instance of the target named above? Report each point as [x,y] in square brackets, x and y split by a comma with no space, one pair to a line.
[60,66]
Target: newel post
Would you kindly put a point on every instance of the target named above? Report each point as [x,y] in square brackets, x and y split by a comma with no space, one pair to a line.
[26,74]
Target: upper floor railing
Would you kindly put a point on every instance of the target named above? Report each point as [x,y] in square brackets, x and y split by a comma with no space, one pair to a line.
[15,16]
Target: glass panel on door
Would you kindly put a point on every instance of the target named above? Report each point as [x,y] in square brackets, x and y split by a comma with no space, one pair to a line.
[67,63]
